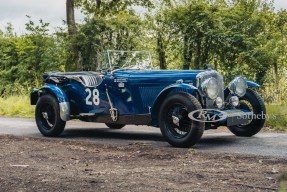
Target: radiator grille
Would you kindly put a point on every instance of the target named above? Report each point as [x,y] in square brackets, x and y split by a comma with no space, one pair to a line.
[91,80]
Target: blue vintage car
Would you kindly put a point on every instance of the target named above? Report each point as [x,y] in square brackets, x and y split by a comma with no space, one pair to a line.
[127,90]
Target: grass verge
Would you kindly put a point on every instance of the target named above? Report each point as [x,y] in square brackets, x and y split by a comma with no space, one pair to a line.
[16,106]
[277,117]
[283,182]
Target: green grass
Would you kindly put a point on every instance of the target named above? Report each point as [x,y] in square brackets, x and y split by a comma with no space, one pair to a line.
[16,106]
[277,117]
[283,182]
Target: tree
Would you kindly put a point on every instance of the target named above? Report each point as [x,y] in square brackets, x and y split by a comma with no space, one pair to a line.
[109,7]
[109,24]
[24,59]
[281,24]
[120,32]
[193,24]
[161,50]
[73,63]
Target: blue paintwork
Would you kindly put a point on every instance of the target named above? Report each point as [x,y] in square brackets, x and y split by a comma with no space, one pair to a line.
[189,87]
[252,84]
[132,92]
[56,91]
[145,86]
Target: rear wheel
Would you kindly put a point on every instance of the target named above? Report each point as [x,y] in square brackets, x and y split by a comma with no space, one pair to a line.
[253,102]
[48,117]
[175,125]
[114,125]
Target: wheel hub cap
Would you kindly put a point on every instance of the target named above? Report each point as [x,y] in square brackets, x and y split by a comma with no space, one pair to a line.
[175,120]
[46,116]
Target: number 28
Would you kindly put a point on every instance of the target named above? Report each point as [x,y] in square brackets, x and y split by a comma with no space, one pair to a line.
[93,97]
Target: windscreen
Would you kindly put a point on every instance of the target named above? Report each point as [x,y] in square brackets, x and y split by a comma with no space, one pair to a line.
[129,59]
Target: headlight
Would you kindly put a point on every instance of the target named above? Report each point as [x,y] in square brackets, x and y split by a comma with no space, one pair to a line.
[238,86]
[219,102]
[234,101]
[210,88]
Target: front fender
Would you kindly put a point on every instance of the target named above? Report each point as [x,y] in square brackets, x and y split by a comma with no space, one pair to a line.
[178,87]
[62,98]
[252,84]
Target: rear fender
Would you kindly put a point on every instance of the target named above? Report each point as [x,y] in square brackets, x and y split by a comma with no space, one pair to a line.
[182,87]
[59,94]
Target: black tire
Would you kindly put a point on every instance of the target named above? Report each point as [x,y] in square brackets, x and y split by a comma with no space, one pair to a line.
[186,132]
[48,117]
[251,101]
[114,125]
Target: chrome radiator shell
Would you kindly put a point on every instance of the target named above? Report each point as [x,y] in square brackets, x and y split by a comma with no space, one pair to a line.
[205,75]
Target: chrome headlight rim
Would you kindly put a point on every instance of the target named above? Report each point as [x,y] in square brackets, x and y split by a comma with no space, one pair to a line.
[207,87]
[219,102]
[238,86]
[234,101]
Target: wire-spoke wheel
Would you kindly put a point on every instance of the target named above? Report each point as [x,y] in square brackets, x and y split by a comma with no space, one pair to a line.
[175,125]
[48,117]
[177,117]
[251,101]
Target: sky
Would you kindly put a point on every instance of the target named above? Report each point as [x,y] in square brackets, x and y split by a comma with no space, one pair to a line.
[51,11]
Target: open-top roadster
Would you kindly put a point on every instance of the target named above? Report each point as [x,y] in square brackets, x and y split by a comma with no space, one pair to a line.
[126,90]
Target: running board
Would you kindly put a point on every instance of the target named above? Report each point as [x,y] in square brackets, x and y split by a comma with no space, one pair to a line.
[87,114]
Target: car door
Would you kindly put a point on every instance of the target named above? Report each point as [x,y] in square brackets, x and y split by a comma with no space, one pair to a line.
[120,92]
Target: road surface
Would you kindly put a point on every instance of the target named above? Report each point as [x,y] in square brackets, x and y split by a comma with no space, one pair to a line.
[215,141]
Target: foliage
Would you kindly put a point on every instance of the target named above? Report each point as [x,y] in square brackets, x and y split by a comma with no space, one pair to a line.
[24,59]
[277,117]
[16,106]
[283,182]
[233,36]
[275,89]
[109,8]
[102,33]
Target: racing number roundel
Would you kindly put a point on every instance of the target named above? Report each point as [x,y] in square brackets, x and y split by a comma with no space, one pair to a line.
[93,97]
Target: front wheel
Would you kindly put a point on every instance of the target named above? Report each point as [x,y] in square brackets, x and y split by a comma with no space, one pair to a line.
[251,101]
[175,125]
[48,117]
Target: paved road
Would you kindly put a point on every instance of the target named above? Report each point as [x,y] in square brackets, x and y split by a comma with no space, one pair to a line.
[216,141]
